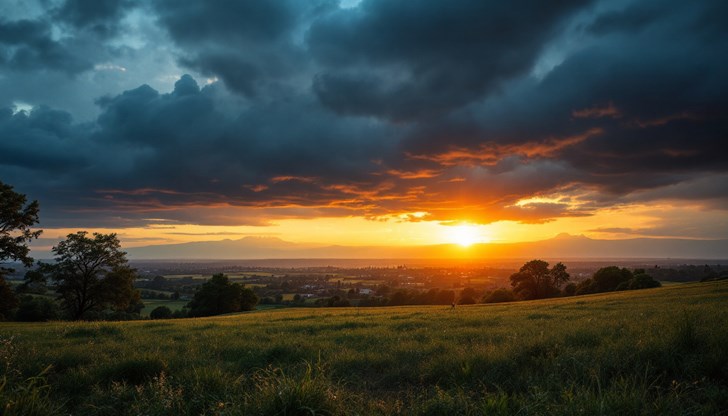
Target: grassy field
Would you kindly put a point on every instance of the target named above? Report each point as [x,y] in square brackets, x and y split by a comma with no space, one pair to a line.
[658,351]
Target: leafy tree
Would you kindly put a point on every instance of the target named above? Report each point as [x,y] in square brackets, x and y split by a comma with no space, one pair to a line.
[248,299]
[16,219]
[92,274]
[161,312]
[219,295]
[536,281]
[607,279]
[641,280]
[498,296]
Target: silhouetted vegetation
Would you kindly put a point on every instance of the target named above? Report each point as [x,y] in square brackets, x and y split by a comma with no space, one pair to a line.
[17,218]
[161,312]
[499,295]
[219,295]
[608,279]
[536,281]
[37,309]
[91,274]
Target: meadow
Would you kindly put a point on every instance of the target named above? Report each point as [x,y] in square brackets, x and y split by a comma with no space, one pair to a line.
[656,351]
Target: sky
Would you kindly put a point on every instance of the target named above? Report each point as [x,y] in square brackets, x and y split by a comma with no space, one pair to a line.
[367,122]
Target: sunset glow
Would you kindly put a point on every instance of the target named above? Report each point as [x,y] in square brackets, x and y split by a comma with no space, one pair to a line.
[334,126]
[464,235]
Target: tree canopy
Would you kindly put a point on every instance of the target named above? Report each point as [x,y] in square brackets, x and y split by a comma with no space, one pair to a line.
[91,274]
[16,221]
[536,281]
[219,295]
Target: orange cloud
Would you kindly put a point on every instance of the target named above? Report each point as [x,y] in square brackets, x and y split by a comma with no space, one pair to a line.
[490,154]
[661,121]
[598,112]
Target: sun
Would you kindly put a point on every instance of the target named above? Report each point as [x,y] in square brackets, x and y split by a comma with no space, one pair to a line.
[464,235]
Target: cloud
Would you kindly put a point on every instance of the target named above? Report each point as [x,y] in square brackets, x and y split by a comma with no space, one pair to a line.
[100,17]
[252,46]
[459,110]
[28,45]
[405,60]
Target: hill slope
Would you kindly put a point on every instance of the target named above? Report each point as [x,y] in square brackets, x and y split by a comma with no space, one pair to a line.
[658,351]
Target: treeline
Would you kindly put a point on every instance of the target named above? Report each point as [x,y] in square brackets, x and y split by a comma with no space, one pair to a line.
[534,280]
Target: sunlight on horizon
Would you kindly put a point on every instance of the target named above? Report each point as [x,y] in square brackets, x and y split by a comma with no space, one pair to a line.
[360,231]
[465,235]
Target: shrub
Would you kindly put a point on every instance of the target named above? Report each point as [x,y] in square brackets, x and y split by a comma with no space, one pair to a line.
[161,312]
[32,309]
[569,290]
[498,296]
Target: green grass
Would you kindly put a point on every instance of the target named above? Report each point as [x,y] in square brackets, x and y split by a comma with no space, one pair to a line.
[657,351]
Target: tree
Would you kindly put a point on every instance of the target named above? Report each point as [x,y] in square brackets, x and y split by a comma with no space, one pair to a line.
[16,220]
[219,295]
[607,279]
[641,280]
[536,281]
[92,274]
[498,296]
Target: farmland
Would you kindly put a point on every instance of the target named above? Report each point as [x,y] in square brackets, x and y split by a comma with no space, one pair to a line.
[656,351]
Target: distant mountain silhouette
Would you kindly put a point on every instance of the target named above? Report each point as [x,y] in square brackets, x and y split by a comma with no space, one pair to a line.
[562,246]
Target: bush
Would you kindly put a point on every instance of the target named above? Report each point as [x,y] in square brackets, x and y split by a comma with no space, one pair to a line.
[643,281]
[161,312]
[180,313]
[32,309]
[569,290]
[586,287]
[498,296]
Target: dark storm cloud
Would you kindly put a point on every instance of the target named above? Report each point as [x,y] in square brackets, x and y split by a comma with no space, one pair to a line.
[247,44]
[649,86]
[28,45]
[101,17]
[460,109]
[403,60]
[152,155]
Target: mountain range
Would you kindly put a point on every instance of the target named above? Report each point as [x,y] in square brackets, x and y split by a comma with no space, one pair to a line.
[560,247]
